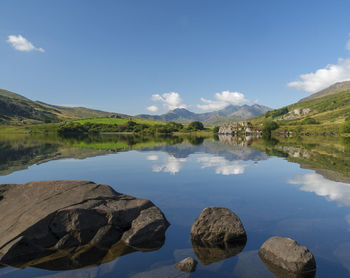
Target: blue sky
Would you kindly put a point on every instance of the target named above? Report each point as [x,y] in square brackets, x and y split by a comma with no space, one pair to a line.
[125,56]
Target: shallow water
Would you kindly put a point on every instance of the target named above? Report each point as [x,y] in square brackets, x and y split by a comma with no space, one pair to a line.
[297,188]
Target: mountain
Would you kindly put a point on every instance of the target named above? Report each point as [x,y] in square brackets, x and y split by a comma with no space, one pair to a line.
[331,90]
[17,109]
[229,113]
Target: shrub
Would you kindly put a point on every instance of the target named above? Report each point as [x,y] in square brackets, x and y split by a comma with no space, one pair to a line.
[310,121]
[277,112]
[345,128]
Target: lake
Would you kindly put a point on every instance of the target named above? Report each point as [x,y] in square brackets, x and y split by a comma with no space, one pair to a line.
[292,187]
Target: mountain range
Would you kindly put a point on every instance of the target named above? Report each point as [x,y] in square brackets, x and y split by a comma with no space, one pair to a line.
[228,114]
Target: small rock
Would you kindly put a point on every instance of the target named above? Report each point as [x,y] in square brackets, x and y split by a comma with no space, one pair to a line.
[217,225]
[187,265]
[286,254]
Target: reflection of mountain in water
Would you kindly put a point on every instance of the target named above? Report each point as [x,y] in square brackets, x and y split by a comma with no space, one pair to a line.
[217,148]
[19,155]
[329,157]
[63,225]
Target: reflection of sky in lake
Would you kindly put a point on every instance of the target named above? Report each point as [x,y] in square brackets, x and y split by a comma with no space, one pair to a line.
[331,190]
[221,165]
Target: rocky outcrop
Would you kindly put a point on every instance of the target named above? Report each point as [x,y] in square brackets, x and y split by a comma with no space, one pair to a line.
[187,265]
[217,234]
[216,225]
[73,224]
[284,255]
[239,128]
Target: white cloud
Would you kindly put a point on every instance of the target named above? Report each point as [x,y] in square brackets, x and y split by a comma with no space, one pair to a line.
[170,100]
[222,100]
[173,165]
[331,190]
[152,108]
[22,44]
[323,78]
[222,166]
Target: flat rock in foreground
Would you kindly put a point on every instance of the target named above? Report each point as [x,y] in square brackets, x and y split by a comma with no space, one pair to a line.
[72,224]
[283,255]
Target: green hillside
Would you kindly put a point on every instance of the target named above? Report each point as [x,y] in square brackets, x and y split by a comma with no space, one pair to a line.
[18,110]
[315,115]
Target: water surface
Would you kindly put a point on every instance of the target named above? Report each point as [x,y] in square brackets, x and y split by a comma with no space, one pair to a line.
[294,187]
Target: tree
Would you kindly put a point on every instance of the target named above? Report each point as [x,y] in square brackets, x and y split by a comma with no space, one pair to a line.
[195,126]
[216,129]
[268,127]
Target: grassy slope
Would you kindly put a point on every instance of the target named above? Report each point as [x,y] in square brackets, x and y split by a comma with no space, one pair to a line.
[330,111]
[16,110]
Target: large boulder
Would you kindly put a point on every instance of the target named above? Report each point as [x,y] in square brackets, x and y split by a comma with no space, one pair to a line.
[216,225]
[73,224]
[285,256]
[217,234]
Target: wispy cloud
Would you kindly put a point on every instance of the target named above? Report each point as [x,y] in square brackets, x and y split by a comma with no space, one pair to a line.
[152,108]
[222,100]
[170,100]
[323,77]
[20,43]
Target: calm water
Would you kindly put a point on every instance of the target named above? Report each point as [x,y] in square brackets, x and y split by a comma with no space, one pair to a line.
[290,187]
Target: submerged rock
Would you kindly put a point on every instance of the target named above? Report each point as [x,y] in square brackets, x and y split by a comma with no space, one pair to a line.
[187,265]
[71,224]
[216,225]
[286,258]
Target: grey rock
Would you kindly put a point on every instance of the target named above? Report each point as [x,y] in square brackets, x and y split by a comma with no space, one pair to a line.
[286,258]
[187,265]
[216,225]
[72,224]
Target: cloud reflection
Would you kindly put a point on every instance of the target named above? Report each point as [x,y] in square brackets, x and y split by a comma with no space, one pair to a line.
[173,165]
[152,157]
[331,190]
[222,166]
